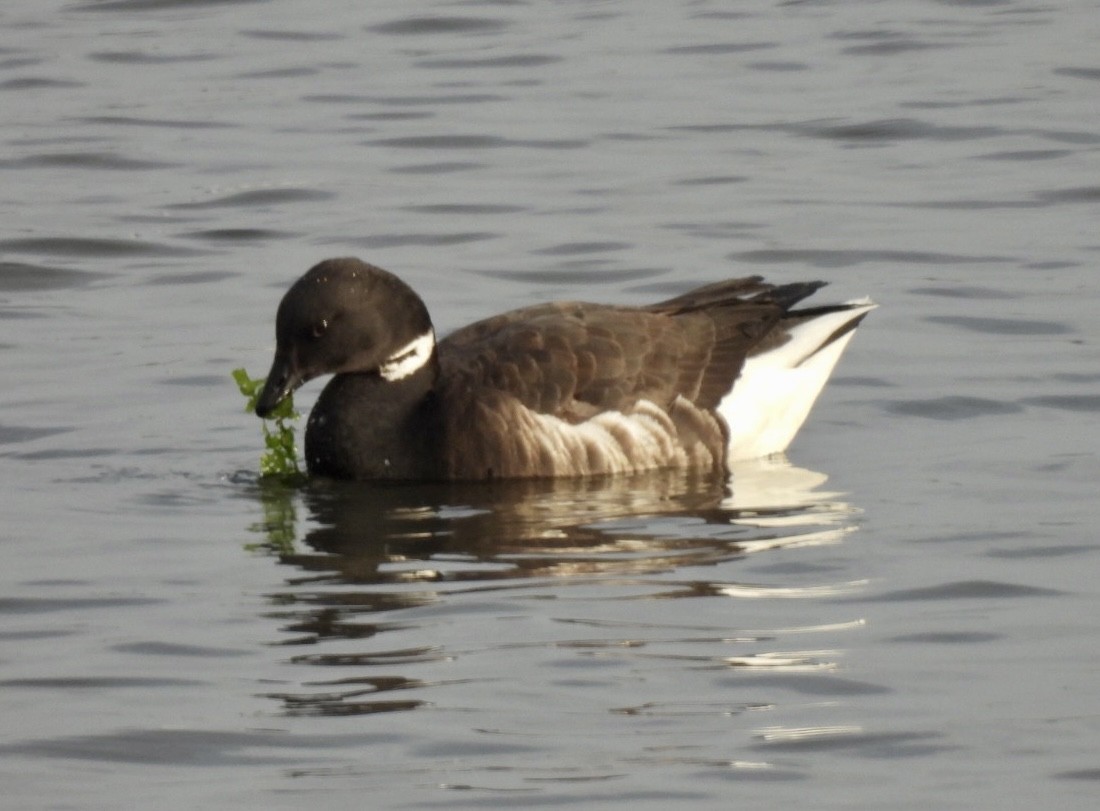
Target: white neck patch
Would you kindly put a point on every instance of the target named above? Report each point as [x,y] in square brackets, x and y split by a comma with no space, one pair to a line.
[408,359]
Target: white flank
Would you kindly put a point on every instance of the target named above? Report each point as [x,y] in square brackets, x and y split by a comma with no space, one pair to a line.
[609,442]
[409,358]
[776,389]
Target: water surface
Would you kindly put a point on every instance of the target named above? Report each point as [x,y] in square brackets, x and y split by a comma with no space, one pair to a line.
[900,615]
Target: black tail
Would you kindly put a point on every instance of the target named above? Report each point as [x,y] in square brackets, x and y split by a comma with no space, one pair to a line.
[738,291]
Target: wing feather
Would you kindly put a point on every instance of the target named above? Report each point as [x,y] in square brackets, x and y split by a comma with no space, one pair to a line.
[567,387]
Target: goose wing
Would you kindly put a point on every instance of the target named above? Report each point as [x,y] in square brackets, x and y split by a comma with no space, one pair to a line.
[573,360]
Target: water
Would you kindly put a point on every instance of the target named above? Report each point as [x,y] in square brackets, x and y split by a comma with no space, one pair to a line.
[901,615]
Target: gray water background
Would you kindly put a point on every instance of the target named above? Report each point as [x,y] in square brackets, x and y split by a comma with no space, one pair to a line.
[904,616]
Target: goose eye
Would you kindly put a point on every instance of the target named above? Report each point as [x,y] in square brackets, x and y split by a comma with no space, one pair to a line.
[319,328]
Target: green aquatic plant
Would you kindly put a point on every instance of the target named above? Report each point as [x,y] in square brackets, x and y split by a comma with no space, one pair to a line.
[279,526]
[280,460]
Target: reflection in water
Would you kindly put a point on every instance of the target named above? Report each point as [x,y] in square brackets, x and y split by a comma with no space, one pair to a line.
[377,560]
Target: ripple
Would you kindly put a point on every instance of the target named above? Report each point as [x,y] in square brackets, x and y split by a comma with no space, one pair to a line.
[784,661]
[44,605]
[199,381]
[144,58]
[38,83]
[948,637]
[391,115]
[168,123]
[719,48]
[443,167]
[969,204]
[1078,194]
[35,636]
[291,36]
[1001,326]
[1078,377]
[575,275]
[891,47]
[88,246]
[811,685]
[8,63]
[338,703]
[375,658]
[1079,774]
[380,241]
[574,248]
[444,142]
[258,197]
[465,208]
[843,738]
[155,5]
[192,277]
[67,453]
[757,591]
[279,73]
[415,26]
[896,129]
[965,590]
[1053,264]
[474,142]
[686,709]
[953,407]
[512,61]
[1079,73]
[779,67]
[1045,551]
[965,292]
[882,130]
[85,160]
[404,101]
[10,434]
[97,682]
[721,230]
[711,180]
[1027,155]
[968,103]
[1083,137]
[220,235]
[881,42]
[1066,402]
[974,537]
[16,277]
[859,380]
[847,258]
[186,746]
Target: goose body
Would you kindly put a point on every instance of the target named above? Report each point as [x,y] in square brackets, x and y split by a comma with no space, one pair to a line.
[725,372]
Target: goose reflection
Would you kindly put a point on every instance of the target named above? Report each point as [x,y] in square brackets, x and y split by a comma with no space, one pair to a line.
[463,533]
[380,573]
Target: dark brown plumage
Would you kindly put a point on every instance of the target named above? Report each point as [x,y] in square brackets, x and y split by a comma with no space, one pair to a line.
[550,390]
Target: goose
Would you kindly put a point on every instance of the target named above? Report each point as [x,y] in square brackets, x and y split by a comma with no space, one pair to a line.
[722,373]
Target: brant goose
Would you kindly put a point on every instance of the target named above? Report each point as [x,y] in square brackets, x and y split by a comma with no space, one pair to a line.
[725,372]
